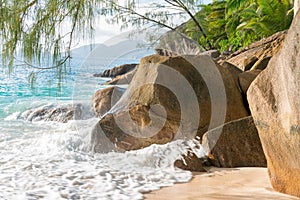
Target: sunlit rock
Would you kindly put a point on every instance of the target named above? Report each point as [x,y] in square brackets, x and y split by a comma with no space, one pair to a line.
[275,105]
[172,98]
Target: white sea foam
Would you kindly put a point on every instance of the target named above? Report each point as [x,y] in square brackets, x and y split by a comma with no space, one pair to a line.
[45,161]
[13,116]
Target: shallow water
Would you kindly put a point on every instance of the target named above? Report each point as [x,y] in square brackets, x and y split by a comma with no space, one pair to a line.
[49,160]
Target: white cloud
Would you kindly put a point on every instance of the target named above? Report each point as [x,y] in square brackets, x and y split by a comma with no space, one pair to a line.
[105,31]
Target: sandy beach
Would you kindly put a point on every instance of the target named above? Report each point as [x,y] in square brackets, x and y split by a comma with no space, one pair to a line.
[221,184]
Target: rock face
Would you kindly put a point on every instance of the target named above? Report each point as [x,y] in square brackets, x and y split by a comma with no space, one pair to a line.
[275,104]
[190,162]
[124,79]
[246,78]
[104,99]
[235,71]
[296,6]
[172,98]
[258,54]
[211,53]
[165,52]
[173,43]
[235,144]
[116,71]
[59,113]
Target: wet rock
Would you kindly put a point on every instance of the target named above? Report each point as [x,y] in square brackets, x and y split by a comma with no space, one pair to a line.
[274,102]
[104,99]
[117,71]
[124,79]
[163,100]
[190,162]
[59,113]
[235,144]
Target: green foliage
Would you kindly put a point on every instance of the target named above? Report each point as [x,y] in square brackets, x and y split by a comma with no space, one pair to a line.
[266,17]
[38,28]
[232,24]
[192,31]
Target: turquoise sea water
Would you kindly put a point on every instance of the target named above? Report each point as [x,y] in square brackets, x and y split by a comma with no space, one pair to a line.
[47,160]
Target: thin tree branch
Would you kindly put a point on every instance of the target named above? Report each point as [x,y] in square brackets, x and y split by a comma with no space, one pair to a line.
[185,8]
[173,4]
[133,12]
[43,68]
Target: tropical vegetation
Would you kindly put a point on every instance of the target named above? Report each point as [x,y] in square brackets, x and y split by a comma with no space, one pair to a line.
[49,27]
[232,24]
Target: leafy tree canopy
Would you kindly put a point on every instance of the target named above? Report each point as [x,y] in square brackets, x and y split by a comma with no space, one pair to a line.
[39,26]
[232,24]
[48,27]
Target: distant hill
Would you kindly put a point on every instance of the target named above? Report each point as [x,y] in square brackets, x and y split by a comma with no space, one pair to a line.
[101,54]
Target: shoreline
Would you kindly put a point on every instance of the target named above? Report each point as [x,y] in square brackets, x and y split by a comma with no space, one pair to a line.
[222,183]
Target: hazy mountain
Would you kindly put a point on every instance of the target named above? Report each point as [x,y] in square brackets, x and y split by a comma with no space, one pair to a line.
[101,54]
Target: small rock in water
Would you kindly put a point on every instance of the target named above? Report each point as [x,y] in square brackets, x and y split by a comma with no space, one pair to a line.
[116,71]
[59,113]
[190,162]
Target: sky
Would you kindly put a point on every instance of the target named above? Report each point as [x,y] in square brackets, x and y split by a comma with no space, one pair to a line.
[105,32]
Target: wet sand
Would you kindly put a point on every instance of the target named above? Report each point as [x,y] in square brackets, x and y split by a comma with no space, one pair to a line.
[221,184]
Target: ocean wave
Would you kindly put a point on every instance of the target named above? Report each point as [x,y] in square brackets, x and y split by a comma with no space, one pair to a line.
[47,161]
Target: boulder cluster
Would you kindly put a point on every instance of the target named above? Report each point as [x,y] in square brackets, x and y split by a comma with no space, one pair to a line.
[244,108]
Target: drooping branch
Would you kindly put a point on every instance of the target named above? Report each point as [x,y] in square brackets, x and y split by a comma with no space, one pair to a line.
[187,10]
[132,12]
[31,27]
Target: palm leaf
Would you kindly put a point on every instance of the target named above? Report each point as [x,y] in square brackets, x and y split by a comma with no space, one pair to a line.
[233,6]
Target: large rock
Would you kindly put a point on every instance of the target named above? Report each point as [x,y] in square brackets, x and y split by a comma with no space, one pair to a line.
[235,144]
[172,98]
[116,71]
[258,54]
[124,79]
[275,105]
[104,99]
